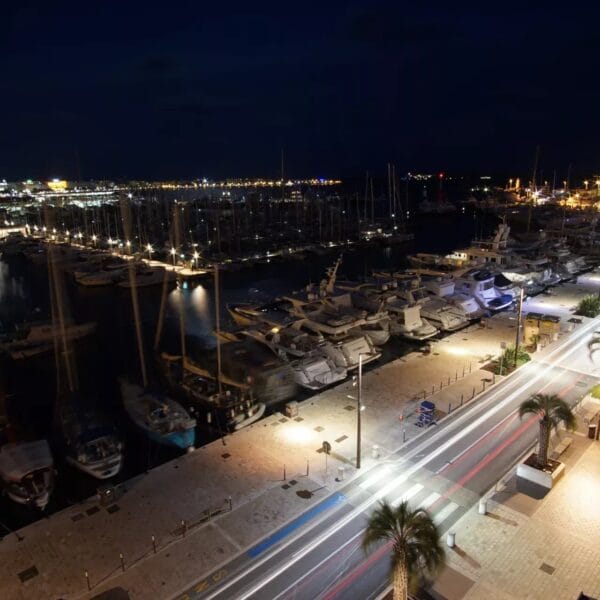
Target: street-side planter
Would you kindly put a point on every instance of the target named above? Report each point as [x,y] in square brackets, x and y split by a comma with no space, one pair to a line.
[545,478]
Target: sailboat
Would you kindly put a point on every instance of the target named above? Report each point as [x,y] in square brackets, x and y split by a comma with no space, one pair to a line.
[163,419]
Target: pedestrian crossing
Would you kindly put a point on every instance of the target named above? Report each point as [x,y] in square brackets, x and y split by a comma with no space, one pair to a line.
[443,510]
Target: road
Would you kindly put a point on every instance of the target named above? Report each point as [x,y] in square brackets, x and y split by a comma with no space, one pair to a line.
[445,471]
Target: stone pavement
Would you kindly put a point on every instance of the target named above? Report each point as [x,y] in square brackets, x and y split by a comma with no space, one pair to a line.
[532,549]
[185,505]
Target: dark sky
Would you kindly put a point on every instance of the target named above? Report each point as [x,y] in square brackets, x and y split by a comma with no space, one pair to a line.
[135,89]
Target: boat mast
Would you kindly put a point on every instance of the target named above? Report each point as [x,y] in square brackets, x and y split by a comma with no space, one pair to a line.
[126,219]
[218,327]
[533,185]
[57,304]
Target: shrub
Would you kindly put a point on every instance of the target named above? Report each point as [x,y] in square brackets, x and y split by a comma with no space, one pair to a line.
[589,306]
[507,361]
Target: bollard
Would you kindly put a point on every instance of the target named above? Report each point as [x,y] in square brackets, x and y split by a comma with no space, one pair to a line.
[455,375]
[449,407]
[154,544]
[441,384]
[448,380]
[482,506]
[230,504]
[87,579]
[463,370]
[122,562]
[484,385]
[340,474]
[473,394]
[307,468]
[424,394]
[493,378]
[432,390]
[404,436]
[184,526]
[375,451]
[284,473]
[469,367]
[450,539]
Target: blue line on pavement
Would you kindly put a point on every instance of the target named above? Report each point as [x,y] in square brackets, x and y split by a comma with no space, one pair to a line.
[284,531]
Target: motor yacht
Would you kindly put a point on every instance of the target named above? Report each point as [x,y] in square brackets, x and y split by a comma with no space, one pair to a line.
[91,441]
[405,319]
[480,284]
[163,420]
[27,472]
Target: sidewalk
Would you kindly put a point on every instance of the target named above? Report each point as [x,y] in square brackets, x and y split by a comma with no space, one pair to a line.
[532,549]
[261,468]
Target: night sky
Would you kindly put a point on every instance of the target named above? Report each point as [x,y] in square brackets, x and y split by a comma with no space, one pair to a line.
[142,90]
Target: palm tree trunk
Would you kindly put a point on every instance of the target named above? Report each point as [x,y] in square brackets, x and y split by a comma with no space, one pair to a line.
[542,457]
[400,581]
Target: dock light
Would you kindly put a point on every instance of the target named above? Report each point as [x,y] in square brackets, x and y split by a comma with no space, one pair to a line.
[110,241]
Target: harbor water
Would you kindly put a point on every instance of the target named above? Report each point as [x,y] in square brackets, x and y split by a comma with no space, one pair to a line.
[30,386]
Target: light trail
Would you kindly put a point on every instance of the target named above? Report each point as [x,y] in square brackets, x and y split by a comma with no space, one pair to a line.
[574,340]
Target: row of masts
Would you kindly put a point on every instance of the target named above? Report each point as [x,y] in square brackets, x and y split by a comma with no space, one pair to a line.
[226,224]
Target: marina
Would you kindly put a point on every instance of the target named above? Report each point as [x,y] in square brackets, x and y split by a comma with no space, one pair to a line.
[199,352]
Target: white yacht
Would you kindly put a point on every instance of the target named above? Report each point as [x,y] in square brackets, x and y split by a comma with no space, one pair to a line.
[435,309]
[405,320]
[313,367]
[443,286]
[27,472]
[480,284]
[148,276]
[101,278]
[33,339]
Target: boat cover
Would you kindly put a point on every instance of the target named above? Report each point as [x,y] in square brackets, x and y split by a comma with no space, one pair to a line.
[17,460]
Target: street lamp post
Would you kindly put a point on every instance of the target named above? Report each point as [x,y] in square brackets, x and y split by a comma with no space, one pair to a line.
[173,254]
[359,407]
[517,338]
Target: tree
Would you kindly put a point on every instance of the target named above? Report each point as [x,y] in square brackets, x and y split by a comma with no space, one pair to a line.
[552,411]
[416,548]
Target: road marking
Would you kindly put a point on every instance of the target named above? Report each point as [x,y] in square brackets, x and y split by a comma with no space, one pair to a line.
[440,517]
[375,478]
[413,491]
[431,499]
[507,400]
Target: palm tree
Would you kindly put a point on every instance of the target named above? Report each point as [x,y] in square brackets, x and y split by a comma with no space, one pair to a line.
[552,411]
[415,541]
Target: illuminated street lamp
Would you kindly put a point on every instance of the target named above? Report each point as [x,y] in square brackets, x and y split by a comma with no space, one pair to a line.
[149,248]
[586,183]
[196,257]
[359,408]
[94,238]
[173,254]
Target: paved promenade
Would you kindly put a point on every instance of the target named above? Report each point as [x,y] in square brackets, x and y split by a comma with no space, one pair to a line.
[532,549]
[185,518]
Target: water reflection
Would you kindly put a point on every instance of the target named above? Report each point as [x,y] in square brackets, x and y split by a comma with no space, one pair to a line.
[198,312]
